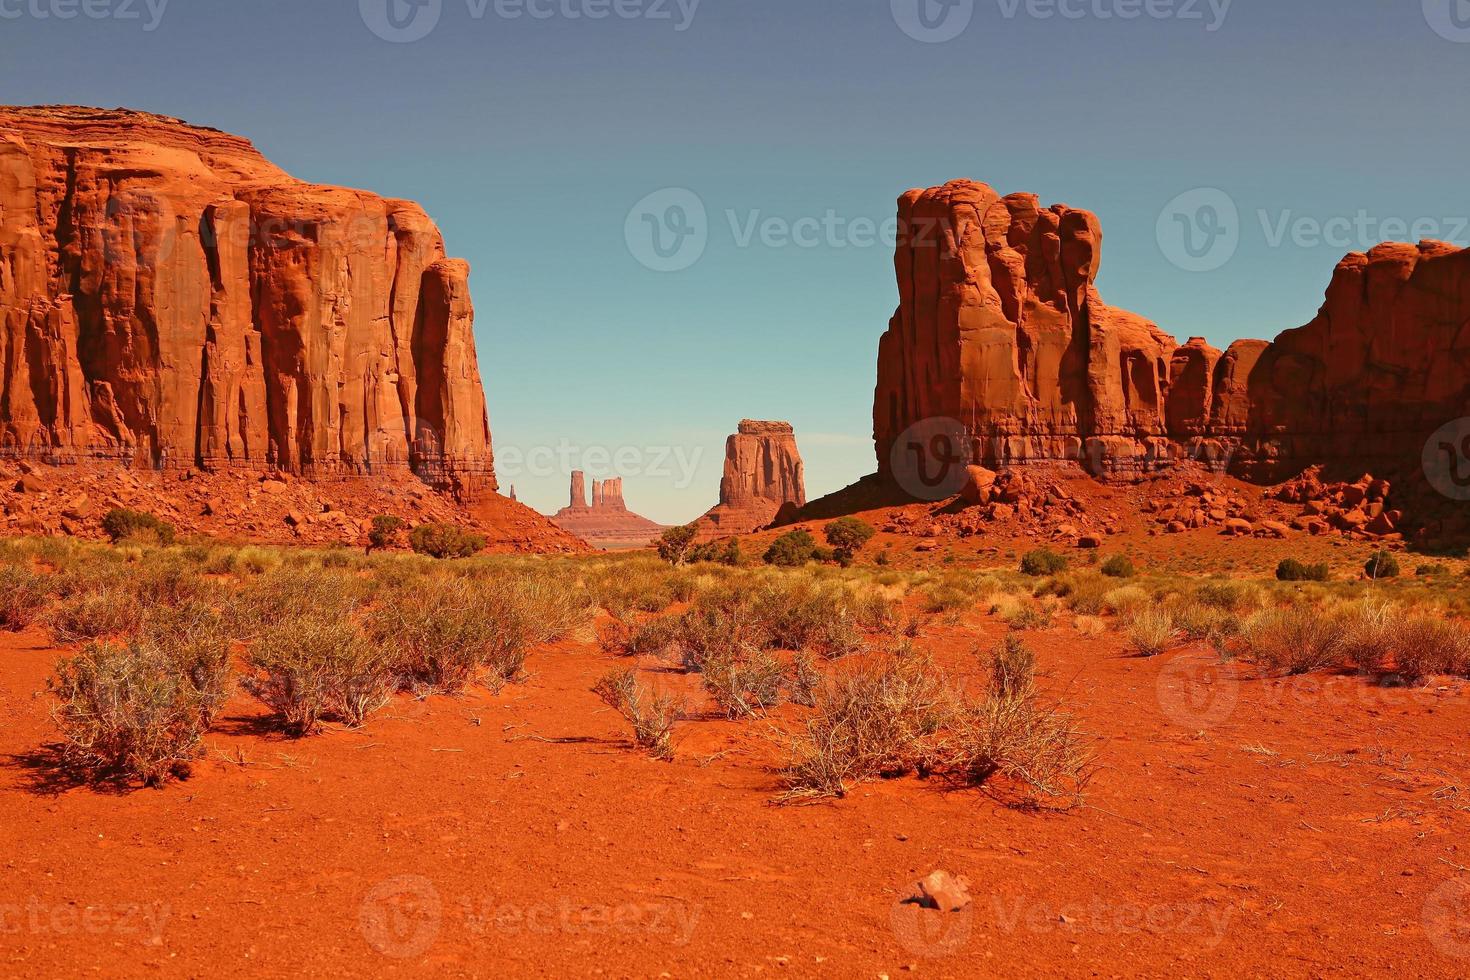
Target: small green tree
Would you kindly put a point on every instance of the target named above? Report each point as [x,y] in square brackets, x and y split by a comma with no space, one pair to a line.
[675,545]
[847,535]
[385,532]
[790,550]
[1293,570]
[1043,561]
[1119,566]
[122,524]
[445,541]
[1382,565]
[731,555]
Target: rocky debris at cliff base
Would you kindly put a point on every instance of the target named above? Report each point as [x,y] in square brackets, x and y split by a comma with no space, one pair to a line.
[1062,504]
[273,507]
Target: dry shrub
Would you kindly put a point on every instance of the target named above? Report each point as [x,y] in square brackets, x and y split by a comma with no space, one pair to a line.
[1368,629]
[1425,645]
[1012,667]
[868,724]
[802,680]
[288,591]
[652,714]
[1151,630]
[1083,592]
[826,617]
[1126,600]
[1228,595]
[448,633]
[310,668]
[1090,626]
[746,685]
[549,607]
[1294,639]
[128,713]
[196,639]
[106,611]
[23,597]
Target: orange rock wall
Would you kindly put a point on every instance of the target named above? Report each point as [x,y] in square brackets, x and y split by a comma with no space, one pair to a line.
[1000,327]
[169,296]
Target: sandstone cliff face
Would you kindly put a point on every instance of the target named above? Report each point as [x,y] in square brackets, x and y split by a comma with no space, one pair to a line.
[763,475]
[1001,329]
[170,297]
[608,523]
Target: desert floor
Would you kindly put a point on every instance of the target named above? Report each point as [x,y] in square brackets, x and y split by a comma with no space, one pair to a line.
[1238,826]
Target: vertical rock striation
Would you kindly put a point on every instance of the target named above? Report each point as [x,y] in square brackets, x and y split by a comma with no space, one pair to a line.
[170,297]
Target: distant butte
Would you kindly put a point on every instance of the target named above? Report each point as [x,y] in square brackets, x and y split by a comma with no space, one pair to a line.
[764,479]
[607,523]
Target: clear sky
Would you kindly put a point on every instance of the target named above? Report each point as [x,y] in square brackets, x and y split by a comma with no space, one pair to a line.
[1298,130]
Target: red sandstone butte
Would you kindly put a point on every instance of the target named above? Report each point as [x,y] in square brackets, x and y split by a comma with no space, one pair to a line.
[764,476]
[1000,327]
[608,523]
[170,297]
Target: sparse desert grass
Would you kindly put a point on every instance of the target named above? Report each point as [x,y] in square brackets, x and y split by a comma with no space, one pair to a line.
[447,633]
[286,591]
[23,597]
[652,714]
[745,685]
[1425,645]
[1125,600]
[128,713]
[308,668]
[867,724]
[1090,626]
[1151,630]
[1010,732]
[106,611]
[1293,640]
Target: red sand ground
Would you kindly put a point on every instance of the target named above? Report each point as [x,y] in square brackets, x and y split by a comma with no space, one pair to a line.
[1238,826]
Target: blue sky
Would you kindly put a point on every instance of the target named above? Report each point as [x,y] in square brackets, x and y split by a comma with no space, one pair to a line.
[1325,125]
